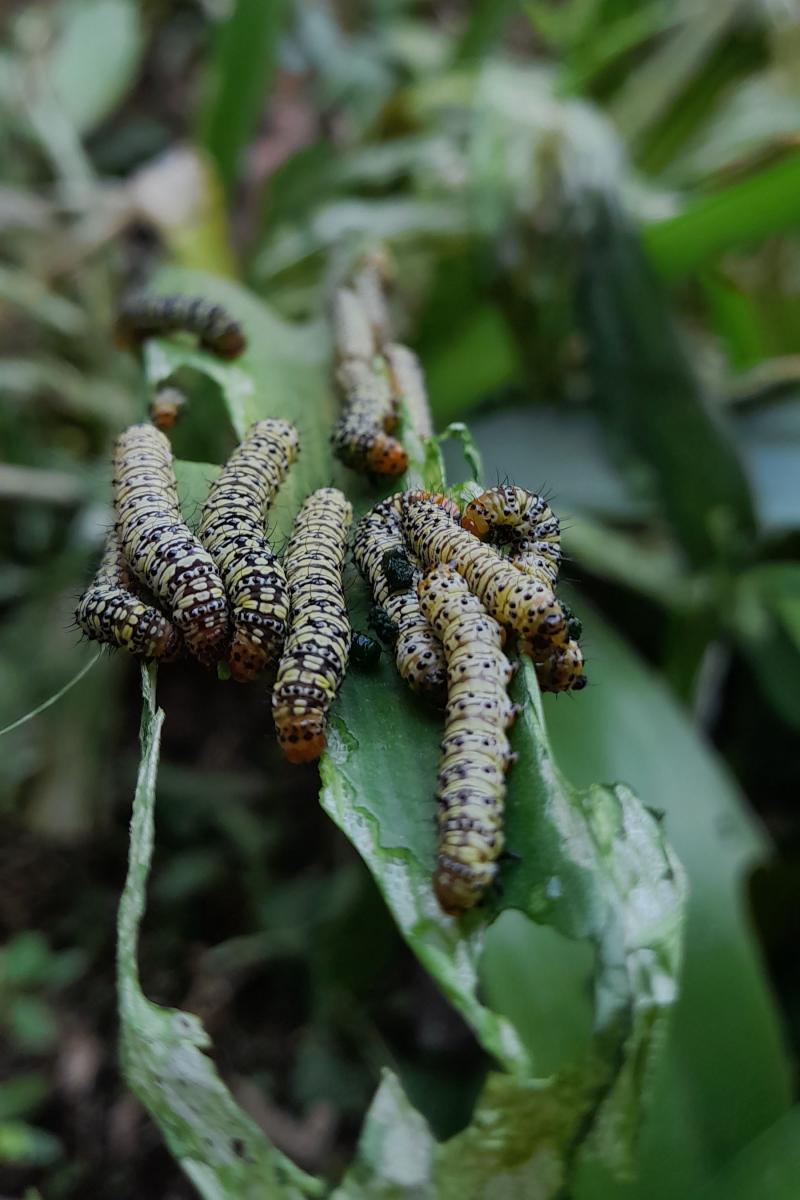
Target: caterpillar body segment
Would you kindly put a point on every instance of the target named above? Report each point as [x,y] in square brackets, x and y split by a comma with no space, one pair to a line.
[522,603]
[159,547]
[408,386]
[232,530]
[111,612]
[352,332]
[315,656]
[523,519]
[361,437]
[397,617]
[143,315]
[475,753]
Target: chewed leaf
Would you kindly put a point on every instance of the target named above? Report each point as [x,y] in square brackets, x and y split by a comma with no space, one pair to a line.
[222,1151]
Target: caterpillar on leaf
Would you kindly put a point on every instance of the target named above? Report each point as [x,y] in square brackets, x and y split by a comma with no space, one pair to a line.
[232,530]
[110,611]
[475,753]
[143,315]
[159,547]
[315,656]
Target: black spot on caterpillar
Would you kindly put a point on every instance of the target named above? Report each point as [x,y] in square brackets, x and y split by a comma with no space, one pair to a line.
[165,407]
[315,657]
[475,753]
[111,612]
[232,530]
[143,315]
[516,600]
[361,437]
[364,650]
[418,654]
[160,549]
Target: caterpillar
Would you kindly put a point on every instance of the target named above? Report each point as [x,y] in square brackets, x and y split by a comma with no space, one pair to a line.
[512,514]
[364,650]
[418,653]
[382,625]
[143,315]
[165,407]
[159,547]
[232,530]
[352,333]
[369,285]
[515,515]
[110,611]
[475,753]
[361,437]
[315,656]
[516,600]
[408,386]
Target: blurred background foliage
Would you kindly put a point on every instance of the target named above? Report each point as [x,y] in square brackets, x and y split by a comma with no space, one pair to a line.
[593,206]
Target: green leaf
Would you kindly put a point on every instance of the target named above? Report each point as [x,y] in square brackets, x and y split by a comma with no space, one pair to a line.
[626,725]
[745,212]
[95,59]
[768,1166]
[221,1150]
[651,402]
[766,619]
[242,68]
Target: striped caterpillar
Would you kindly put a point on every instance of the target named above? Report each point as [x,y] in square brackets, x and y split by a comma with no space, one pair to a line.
[161,550]
[315,656]
[525,520]
[475,753]
[232,530]
[361,437]
[110,611]
[516,600]
[408,387]
[418,653]
[143,315]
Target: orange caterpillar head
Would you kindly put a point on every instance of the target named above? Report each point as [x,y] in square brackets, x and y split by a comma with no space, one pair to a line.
[474,521]
[302,739]
[248,659]
[386,456]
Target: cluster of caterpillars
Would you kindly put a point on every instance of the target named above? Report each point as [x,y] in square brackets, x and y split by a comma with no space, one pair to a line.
[449,588]
[448,617]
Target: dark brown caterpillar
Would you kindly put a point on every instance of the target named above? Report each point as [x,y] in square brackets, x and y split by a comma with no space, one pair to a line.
[144,315]
[475,753]
[361,437]
[418,653]
[165,407]
[111,612]
[519,602]
[314,659]
[161,550]
[232,530]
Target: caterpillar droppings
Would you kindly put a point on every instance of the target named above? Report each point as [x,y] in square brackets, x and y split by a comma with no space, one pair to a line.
[382,625]
[475,752]
[111,612]
[364,651]
[315,656]
[160,548]
[143,315]
[232,530]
